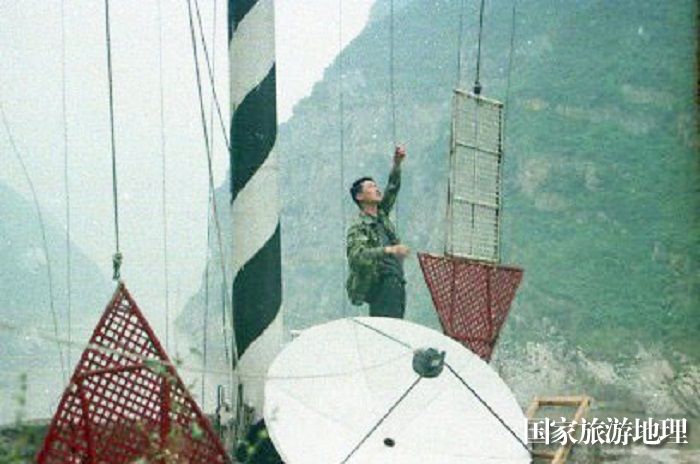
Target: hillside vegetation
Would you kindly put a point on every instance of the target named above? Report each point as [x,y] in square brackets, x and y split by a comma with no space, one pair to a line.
[600,183]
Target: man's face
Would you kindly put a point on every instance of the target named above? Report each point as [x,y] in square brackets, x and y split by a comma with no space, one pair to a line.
[370,193]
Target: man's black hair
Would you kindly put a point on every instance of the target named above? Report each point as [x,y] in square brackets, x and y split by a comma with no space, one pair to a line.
[356,189]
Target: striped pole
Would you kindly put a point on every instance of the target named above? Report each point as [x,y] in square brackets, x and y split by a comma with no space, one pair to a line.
[256,267]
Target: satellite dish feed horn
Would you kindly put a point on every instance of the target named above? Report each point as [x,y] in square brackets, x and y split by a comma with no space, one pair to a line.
[428,362]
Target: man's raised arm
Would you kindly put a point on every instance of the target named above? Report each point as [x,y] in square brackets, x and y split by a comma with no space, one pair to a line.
[394,184]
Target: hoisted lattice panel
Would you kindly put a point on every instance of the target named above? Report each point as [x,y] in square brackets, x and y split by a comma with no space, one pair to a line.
[472,298]
[474,198]
[125,401]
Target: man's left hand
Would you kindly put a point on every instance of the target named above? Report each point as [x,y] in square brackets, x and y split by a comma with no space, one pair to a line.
[399,154]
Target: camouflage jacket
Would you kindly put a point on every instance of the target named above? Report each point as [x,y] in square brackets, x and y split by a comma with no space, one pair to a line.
[364,248]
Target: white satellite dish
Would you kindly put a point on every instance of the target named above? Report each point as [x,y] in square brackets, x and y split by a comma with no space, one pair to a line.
[346,392]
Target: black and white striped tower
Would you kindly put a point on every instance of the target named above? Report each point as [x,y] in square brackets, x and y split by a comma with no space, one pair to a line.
[256,267]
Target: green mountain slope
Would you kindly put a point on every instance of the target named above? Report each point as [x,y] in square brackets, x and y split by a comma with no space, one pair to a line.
[600,174]
[600,203]
[601,200]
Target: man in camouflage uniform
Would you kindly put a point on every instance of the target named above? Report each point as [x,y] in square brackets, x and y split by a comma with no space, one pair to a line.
[375,253]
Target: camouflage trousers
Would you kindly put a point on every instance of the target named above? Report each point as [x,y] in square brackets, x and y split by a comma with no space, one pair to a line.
[388,298]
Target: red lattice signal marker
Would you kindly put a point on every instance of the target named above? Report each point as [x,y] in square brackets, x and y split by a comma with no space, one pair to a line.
[472,299]
[126,402]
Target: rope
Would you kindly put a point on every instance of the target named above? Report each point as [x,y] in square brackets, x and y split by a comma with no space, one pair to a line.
[231,361]
[510,61]
[211,186]
[164,211]
[155,364]
[341,109]
[506,105]
[211,75]
[54,317]
[381,420]
[117,258]
[66,189]
[460,36]
[392,93]
[33,334]
[212,69]
[209,145]
[205,315]
[449,229]
[59,341]
[477,84]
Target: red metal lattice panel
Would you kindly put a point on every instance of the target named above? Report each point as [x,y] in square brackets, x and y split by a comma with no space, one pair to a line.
[472,299]
[125,401]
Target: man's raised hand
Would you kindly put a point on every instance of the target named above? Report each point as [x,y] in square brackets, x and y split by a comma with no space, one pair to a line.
[399,154]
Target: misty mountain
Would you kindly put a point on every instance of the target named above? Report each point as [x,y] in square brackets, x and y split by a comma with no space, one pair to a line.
[600,184]
[25,308]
